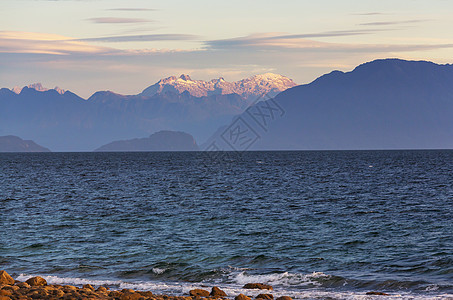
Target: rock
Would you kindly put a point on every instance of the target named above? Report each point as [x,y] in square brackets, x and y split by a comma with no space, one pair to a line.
[58,293]
[130,296]
[102,289]
[216,292]
[377,293]
[5,278]
[198,292]
[69,288]
[88,287]
[259,286]
[241,297]
[23,285]
[284,298]
[6,292]
[265,296]
[72,296]
[10,287]
[148,294]
[4,298]
[38,294]
[36,281]
[115,294]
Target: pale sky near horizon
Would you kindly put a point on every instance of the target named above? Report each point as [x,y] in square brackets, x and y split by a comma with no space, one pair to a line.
[124,46]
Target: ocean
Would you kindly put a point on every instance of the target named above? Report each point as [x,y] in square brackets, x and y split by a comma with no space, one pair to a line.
[313,224]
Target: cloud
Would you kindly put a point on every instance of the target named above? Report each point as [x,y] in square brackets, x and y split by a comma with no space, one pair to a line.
[284,40]
[302,44]
[112,20]
[140,38]
[44,43]
[132,9]
[387,23]
[369,14]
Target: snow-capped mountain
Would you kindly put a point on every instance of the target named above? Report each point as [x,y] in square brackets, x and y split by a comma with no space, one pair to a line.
[64,121]
[270,84]
[38,87]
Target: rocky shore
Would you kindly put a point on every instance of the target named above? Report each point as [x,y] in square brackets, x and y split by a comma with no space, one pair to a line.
[37,288]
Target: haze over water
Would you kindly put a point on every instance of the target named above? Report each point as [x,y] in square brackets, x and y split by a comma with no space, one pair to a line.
[312,224]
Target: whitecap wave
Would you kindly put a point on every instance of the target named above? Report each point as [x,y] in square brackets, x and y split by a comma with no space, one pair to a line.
[183,288]
[158,271]
[284,279]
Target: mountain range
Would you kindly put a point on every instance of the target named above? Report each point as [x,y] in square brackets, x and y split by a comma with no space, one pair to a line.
[250,88]
[383,104]
[64,121]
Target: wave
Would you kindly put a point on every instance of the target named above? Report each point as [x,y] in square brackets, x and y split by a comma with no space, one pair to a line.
[183,288]
[284,279]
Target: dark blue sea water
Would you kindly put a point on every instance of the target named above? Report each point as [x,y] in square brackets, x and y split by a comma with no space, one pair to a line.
[315,225]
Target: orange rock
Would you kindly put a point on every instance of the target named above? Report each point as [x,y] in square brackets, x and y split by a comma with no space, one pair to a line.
[102,289]
[69,288]
[58,293]
[216,292]
[284,298]
[88,287]
[10,287]
[146,294]
[377,293]
[131,296]
[241,297]
[23,285]
[36,281]
[260,286]
[198,292]
[5,278]
[6,292]
[115,294]
[265,296]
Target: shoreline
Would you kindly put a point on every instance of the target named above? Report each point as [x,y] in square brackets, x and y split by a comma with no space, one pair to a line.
[37,288]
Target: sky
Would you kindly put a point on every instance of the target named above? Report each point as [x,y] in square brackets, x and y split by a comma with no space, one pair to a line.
[124,46]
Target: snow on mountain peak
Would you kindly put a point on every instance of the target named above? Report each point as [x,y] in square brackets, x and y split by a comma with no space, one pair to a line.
[38,87]
[267,83]
[185,77]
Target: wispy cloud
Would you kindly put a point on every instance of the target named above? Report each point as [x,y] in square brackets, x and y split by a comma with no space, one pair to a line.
[369,14]
[301,43]
[44,43]
[140,38]
[288,40]
[132,9]
[389,23]
[113,20]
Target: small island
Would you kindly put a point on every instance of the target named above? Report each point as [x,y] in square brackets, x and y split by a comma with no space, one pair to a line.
[11,143]
[164,140]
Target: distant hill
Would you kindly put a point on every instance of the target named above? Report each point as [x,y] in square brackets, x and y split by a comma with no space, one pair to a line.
[160,141]
[67,122]
[11,143]
[384,104]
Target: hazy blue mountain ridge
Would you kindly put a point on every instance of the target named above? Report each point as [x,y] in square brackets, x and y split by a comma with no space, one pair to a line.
[384,104]
[160,141]
[11,143]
